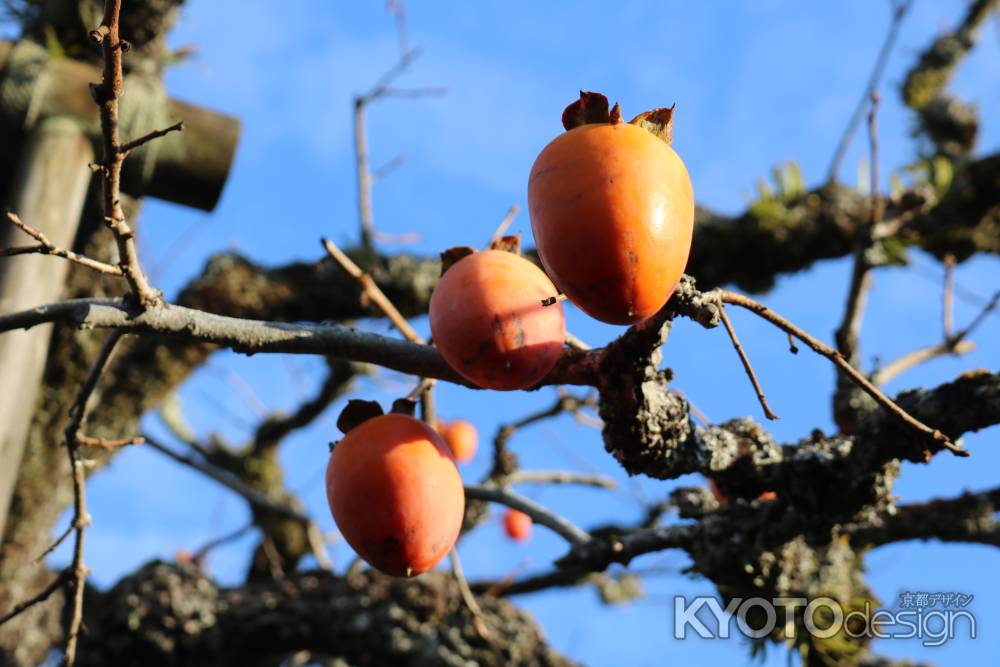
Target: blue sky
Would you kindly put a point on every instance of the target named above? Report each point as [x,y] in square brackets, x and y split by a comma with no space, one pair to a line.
[756,84]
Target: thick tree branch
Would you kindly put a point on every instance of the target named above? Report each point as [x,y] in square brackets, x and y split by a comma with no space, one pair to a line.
[166,612]
[967,518]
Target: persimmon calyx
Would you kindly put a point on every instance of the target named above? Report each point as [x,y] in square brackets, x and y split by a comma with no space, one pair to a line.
[404,406]
[590,108]
[658,121]
[593,108]
[511,244]
[357,412]
[451,256]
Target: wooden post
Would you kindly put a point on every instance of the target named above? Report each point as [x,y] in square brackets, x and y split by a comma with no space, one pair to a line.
[47,110]
[51,180]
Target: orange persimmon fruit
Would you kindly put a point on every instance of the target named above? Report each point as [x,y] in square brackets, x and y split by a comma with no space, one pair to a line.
[489,324]
[612,211]
[461,437]
[517,525]
[396,494]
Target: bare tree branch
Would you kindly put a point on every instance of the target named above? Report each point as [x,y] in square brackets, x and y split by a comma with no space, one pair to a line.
[106,94]
[81,519]
[250,337]
[746,365]
[255,498]
[837,358]
[46,247]
[538,514]
[899,10]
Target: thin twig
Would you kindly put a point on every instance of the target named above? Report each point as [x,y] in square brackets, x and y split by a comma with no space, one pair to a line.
[278,426]
[106,94]
[919,356]
[364,176]
[199,555]
[470,600]
[957,345]
[576,343]
[697,412]
[857,294]
[978,319]
[55,544]
[42,596]
[538,514]
[317,545]
[746,364]
[108,444]
[560,477]
[46,247]
[255,498]
[130,146]
[81,519]
[398,8]
[381,89]
[386,169]
[373,293]
[833,355]
[948,297]
[507,221]
[898,13]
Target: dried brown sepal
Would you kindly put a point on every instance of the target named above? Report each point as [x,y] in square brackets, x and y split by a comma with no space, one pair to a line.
[615,116]
[590,108]
[452,255]
[658,121]
[510,243]
[356,412]
[404,406]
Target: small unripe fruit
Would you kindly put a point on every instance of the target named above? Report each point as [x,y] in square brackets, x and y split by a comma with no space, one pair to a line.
[517,525]
[396,494]
[489,324]
[462,438]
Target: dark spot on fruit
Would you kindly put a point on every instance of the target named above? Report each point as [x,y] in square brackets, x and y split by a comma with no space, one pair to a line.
[538,173]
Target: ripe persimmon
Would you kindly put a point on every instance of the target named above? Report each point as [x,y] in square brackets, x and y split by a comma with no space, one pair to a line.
[462,438]
[517,525]
[489,323]
[612,211]
[396,494]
